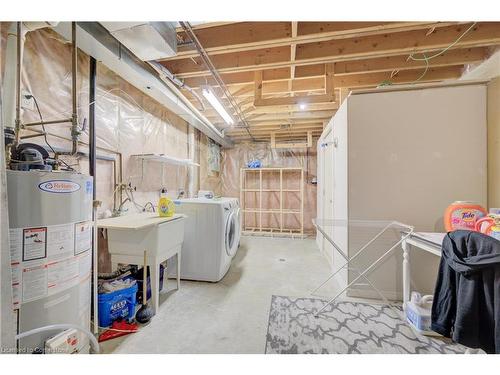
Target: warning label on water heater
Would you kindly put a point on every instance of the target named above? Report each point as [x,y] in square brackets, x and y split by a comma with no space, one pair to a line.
[34,243]
[48,260]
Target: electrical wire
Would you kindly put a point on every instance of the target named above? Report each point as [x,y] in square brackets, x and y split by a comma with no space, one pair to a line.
[428,58]
[424,72]
[45,133]
[412,56]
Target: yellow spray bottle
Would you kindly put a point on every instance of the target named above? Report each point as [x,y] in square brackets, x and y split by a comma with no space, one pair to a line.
[166,207]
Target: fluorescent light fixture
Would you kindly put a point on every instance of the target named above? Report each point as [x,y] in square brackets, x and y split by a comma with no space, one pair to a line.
[214,102]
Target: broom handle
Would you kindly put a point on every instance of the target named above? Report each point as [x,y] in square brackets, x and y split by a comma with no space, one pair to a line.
[145,280]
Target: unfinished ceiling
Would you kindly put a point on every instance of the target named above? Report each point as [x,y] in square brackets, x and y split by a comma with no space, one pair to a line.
[288,78]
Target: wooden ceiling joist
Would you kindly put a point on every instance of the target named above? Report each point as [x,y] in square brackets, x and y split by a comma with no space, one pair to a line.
[308,143]
[272,69]
[327,97]
[417,41]
[246,36]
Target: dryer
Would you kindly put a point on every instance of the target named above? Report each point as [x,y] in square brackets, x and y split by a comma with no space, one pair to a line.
[211,237]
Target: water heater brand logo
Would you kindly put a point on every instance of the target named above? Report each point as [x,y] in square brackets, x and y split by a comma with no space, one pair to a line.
[59,186]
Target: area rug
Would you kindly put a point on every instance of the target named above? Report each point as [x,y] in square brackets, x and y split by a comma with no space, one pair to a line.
[343,328]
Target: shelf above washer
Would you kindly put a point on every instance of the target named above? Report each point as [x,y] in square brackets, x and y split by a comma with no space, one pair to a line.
[162,158]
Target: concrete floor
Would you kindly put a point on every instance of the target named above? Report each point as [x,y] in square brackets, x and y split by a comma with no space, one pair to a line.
[230,316]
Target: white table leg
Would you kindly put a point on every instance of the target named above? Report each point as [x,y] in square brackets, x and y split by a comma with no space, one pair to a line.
[155,284]
[406,273]
[178,259]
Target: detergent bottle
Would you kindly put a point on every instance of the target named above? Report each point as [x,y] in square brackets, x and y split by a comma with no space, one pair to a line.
[463,215]
[489,225]
[166,207]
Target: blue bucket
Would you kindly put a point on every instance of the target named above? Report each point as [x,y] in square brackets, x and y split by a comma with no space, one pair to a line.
[119,304]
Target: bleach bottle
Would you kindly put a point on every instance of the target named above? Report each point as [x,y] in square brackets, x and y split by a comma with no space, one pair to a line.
[166,207]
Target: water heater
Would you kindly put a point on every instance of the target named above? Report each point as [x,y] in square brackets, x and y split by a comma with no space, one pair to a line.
[50,215]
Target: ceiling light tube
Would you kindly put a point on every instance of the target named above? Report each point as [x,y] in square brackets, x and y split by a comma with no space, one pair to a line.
[214,102]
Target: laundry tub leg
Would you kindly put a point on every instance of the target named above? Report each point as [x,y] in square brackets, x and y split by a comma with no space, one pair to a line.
[155,284]
[178,259]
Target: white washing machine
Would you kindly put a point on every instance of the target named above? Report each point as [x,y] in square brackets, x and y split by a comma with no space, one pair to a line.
[211,237]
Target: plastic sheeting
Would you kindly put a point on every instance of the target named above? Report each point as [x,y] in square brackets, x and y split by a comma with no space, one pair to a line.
[127,123]
[236,158]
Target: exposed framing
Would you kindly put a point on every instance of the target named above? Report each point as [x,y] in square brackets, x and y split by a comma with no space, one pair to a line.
[260,211]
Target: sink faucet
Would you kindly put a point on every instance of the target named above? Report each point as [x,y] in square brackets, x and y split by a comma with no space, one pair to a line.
[119,211]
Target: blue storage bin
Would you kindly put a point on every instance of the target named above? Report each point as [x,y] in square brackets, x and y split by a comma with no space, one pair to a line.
[119,304]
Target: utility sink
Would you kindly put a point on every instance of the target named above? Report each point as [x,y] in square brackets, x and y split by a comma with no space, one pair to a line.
[134,233]
[130,235]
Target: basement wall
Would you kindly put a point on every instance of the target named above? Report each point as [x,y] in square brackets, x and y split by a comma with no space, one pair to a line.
[490,70]
[493,113]
[127,122]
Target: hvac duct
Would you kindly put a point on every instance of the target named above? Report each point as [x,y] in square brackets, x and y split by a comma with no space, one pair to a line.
[161,38]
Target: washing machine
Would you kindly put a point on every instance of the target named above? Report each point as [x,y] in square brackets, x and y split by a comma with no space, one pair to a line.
[211,237]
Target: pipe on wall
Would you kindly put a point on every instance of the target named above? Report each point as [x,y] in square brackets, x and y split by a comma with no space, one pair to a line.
[92,172]
[74,70]
[118,172]
[192,155]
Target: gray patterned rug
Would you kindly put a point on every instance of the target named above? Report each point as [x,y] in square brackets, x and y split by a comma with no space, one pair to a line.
[344,327]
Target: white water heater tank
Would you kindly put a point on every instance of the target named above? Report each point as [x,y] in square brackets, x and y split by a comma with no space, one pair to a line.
[50,216]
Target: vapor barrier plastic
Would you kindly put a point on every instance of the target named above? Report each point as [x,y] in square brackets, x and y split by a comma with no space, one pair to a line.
[128,122]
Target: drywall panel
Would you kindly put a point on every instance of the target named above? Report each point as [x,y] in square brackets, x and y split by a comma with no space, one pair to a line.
[494,142]
[412,153]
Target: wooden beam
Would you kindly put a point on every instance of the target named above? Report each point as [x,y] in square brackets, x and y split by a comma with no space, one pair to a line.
[258,85]
[389,63]
[276,128]
[389,44]
[294,100]
[329,95]
[293,49]
[285,109]
[329,81]
[411,41]
[404,76]
[247,36]
[281,86]
[379,64]
[307,144]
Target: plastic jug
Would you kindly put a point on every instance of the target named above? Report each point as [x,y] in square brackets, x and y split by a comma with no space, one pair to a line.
[463,215]
[418,313]
[489,225]
[166,207]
